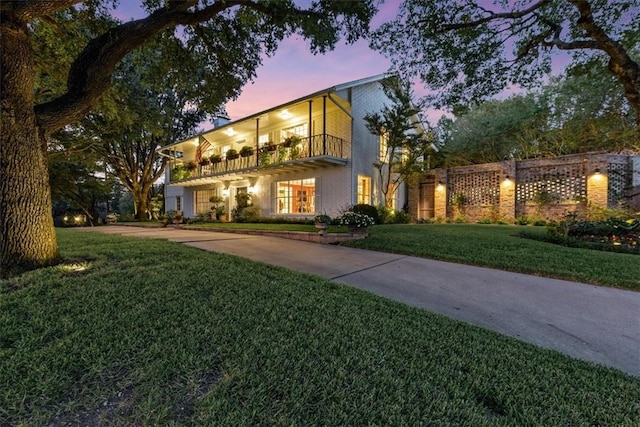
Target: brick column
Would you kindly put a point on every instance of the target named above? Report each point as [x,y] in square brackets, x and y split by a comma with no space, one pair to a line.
[440,197]
[508,181]
[597,185]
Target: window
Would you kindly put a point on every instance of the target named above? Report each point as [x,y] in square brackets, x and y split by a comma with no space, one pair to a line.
[178,203]
[299,130]
[203,205]
[263,139]
[364,189]
[384,148]
[296,196]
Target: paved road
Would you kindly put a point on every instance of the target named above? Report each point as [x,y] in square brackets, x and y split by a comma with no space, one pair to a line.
[592,323]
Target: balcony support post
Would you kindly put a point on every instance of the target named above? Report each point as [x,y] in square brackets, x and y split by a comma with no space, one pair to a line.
[309,130]
[324,125]
[258,142]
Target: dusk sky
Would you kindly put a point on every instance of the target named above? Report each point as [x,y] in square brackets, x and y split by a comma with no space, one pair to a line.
[294,72]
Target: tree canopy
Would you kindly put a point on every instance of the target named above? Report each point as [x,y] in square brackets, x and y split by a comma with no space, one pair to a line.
[583,111]
[469,51]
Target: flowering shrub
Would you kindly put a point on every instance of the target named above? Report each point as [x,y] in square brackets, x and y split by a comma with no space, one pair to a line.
[357,220]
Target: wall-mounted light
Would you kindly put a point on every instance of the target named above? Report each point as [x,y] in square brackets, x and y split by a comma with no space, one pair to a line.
[252,190]
[230,131]
[440,186]
[285,114]
[225,192]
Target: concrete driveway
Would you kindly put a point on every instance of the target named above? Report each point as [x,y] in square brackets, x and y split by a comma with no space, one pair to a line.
[588,322]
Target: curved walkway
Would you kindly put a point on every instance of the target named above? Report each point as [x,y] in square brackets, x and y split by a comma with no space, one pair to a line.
[593,323]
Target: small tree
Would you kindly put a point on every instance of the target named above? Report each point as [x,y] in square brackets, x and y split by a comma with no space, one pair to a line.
[404,145]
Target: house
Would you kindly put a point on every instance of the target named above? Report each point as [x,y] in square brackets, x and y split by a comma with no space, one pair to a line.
[307,156]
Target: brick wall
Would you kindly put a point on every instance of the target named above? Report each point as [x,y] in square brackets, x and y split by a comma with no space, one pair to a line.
[537,188]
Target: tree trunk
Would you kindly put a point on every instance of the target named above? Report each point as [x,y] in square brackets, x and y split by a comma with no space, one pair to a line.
[27,235]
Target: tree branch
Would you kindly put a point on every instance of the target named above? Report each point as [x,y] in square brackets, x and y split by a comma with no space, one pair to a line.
[492,17]
[30,9]
[90,73]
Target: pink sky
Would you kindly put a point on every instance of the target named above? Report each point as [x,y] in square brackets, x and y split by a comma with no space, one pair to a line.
[294,72]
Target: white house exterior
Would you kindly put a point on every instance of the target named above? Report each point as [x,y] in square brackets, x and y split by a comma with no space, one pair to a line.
[330,168]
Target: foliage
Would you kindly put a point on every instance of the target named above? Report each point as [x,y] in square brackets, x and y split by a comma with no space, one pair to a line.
[611,234]
[499,246]
[581,112]
[245,211]
[322,219]
[365,209]
[356,220]
[232,154]
[215,158]
[388,215]
[150,332]
[291,141]
[246,151]
[399,127]
[460,51]
[74,180]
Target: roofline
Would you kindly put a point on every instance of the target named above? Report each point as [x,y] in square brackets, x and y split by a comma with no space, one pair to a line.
[328,90]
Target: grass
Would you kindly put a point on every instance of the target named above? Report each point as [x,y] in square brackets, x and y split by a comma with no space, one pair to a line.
[147,332]
[499,247]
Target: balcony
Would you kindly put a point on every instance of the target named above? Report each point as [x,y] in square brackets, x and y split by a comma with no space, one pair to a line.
[306,153]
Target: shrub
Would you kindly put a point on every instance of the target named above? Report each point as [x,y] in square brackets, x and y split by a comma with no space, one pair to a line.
[368,210]
[355,219]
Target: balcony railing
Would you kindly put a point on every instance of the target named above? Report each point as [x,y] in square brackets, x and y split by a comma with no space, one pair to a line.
[316,146]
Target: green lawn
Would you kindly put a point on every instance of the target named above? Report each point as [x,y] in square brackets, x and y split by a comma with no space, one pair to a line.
[499,246]
[148,332]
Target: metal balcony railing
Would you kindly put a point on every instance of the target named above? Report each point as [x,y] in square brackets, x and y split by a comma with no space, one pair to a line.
[310,147]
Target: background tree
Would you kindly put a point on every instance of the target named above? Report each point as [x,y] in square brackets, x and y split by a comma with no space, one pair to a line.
[403,144]
[461,49]
[492,131]
[581,112]
[78,179]
[231,35]
[155,108]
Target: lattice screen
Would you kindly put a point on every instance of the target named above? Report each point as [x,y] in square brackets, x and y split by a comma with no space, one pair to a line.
[557,183]
[478,188]
[618,174]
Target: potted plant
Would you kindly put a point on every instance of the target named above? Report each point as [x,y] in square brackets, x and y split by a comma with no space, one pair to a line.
[204,161]
[177,218]
[291,141]
[217,209]
[191,166]
[246,151]
[232,154]
[215,158]
[356,222]
[270,146]
[322,222]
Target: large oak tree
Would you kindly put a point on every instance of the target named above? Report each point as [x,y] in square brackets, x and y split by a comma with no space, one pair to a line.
[242,28]
[470,50]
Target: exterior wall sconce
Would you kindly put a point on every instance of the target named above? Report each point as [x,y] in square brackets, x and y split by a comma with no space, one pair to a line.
[440,186]
[252,190]
[225,192]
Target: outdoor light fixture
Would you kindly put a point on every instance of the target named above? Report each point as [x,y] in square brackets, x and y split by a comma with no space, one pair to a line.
[285,114]
[252,190]
[230,131]
[225,192]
